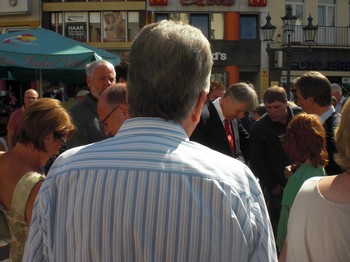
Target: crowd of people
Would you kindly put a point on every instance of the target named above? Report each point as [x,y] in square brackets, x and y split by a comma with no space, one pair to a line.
[150,168]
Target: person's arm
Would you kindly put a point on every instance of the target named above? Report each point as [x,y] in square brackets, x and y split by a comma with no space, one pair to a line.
[10,139]
[243,141]
[283,255]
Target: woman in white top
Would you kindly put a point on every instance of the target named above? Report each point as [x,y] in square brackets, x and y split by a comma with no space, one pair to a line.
[318,227]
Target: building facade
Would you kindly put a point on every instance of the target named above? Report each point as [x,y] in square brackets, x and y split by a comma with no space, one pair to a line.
[232,27]
[329,54]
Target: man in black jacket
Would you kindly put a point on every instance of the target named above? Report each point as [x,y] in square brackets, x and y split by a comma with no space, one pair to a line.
[267,157]
[315,97]
[238,99]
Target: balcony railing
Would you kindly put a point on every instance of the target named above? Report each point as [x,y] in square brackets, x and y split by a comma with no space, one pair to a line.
[326,36]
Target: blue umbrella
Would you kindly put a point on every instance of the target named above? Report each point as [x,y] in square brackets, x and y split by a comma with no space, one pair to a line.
[23,53]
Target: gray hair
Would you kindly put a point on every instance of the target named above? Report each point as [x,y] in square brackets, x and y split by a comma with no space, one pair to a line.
[336,88]
[243,93]
[115,94]
[90,68]
[170,64]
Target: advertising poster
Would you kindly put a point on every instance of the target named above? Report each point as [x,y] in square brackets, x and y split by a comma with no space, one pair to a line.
[114,26]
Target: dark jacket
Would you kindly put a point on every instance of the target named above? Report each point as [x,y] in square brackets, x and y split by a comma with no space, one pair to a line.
[330,125]
[89,128]
[211,133]
[267,157]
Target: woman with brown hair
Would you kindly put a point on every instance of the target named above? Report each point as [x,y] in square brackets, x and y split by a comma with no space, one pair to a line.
[305,144]
[44,129]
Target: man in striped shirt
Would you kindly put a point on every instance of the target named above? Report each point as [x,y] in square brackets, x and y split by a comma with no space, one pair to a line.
[149,193]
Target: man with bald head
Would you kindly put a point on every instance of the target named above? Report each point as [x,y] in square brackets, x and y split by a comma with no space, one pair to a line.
[112,108]
[30,96]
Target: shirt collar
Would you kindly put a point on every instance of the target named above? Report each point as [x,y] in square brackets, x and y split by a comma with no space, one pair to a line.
[218,108]
[327,114]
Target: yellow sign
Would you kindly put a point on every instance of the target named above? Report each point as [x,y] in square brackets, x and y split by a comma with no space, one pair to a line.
[264,81]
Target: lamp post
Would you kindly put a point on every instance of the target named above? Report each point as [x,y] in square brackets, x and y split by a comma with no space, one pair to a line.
[268,31]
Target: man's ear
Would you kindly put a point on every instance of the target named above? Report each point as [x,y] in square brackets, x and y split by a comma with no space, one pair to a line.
[190,123]
[197,109]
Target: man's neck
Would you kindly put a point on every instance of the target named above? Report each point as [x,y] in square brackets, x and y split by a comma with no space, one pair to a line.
[319,110]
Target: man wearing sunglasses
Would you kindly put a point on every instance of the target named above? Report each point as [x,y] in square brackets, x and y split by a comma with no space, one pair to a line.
[112,108]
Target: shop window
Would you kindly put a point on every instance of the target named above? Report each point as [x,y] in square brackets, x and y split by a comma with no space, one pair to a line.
[95,27]
[114,26]
[133,25]
[248,27]
[76,26]
[56,23]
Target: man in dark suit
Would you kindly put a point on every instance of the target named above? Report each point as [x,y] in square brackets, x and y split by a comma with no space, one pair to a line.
[315,97]
[210,131]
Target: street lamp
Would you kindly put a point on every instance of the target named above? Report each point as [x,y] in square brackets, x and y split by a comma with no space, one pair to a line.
[268,31]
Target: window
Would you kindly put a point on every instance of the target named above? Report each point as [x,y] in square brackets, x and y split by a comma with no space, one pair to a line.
[248,27]
[201,21]
[95,27]
[160,17]
[56,23]
[326,13]
[297,10]
[114,26]
[76,26]
[133,25]
[211,25]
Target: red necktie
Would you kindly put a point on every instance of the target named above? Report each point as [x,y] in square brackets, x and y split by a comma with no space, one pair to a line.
[230,137]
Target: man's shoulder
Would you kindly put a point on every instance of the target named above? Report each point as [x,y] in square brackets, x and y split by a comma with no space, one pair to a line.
[85,106]
[295,109]
[333,119]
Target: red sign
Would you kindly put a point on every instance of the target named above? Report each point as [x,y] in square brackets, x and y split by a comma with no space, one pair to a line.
[257,2]
[208,2]
[158,2]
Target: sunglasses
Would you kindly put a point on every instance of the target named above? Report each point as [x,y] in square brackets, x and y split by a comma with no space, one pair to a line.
[60,137]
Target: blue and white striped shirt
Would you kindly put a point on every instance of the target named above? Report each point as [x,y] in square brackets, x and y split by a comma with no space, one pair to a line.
[149,194]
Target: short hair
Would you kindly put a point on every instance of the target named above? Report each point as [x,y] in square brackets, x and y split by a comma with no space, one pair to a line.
[121,71]
[342,138]
[260,109]
[336,88]
[316,85]
[243,93]
[166,82]
[216,85]
[42,117]
[305,139]
[115,94]
[90,68]
[275,93]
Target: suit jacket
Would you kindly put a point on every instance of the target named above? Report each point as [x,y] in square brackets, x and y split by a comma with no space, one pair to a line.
[89,128]
[329,125]
[211,133]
